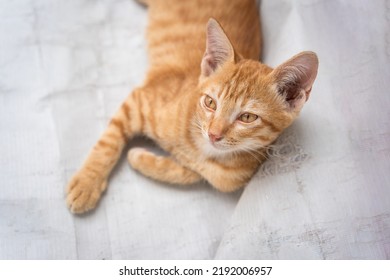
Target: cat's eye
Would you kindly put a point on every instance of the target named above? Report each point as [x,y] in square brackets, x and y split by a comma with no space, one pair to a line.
[210,103]
[248,117]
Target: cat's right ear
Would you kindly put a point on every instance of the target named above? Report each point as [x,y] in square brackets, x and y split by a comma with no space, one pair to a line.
[294,78]
[219,50]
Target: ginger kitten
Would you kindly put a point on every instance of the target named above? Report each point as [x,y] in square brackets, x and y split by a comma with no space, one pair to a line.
[206,100]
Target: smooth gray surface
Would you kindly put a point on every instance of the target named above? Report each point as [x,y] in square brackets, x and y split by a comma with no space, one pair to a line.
[65,66]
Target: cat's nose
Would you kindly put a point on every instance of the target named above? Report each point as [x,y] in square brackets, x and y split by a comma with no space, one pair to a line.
[215,138]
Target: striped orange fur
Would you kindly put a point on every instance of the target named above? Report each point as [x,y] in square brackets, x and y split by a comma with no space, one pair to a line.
[206,100]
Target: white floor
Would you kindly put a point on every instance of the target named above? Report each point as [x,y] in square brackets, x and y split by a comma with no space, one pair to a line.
[65,66]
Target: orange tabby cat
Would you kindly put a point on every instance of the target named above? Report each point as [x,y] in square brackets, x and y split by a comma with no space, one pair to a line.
[207,100]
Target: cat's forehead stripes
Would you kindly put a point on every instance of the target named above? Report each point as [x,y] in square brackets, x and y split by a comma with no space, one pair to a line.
[242,82]
[231,84]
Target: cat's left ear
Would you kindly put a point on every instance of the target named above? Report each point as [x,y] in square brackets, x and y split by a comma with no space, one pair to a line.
[219,50]
[294,79]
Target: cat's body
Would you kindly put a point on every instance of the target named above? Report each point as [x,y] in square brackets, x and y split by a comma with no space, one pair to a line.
[214,111]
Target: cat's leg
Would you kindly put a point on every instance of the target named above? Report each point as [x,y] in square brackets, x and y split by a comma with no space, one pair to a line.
[166,169]
[86,186]
[225,178]
[161,168]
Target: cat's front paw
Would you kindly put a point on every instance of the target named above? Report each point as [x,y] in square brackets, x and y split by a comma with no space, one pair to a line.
[135,155]
[83,192]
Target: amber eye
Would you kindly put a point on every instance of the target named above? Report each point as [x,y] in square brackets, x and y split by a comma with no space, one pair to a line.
[248,117]
[210,103]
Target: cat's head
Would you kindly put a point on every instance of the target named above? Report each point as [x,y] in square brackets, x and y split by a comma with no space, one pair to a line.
[245,105]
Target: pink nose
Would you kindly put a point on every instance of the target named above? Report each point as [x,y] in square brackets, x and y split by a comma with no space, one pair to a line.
[214,138]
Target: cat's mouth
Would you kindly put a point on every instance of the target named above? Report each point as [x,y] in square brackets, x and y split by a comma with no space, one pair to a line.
[221,146]
[216,145]
[213,147]
[216,149]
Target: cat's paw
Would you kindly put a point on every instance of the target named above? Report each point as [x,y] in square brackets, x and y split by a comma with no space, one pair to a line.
[134,155]
[83,192]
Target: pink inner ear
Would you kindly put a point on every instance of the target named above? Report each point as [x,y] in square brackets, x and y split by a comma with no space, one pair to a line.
[218,49]
[307,66]
[208,65]
[297,75]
